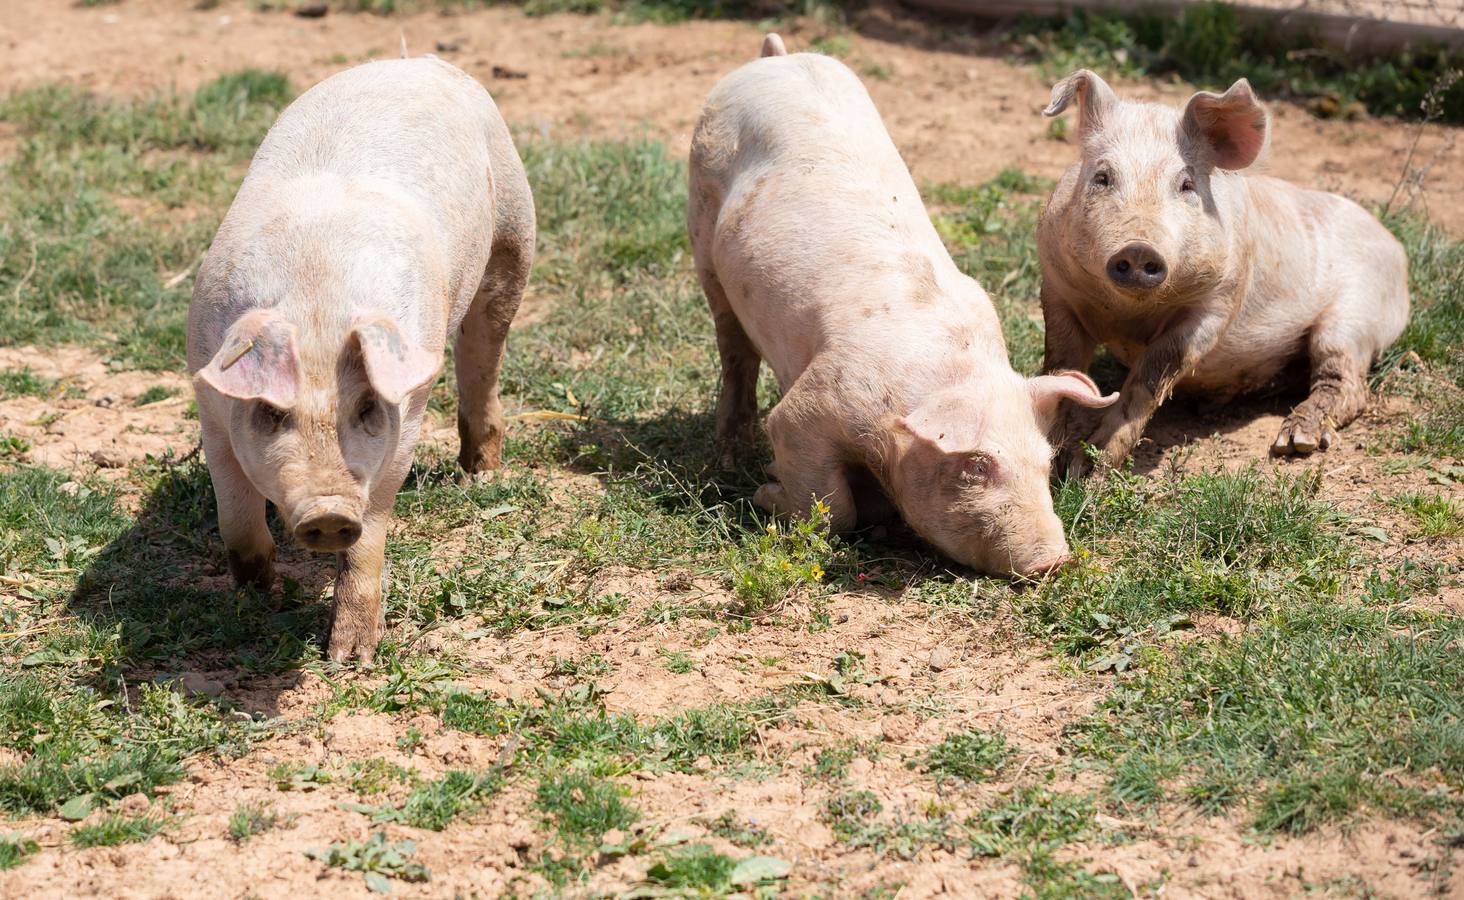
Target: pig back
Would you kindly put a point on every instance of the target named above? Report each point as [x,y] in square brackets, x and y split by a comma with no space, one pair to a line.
[417,134]
[820,235]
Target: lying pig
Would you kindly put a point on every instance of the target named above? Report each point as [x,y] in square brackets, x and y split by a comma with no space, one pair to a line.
[1201,277]
[386,210]
[816,255]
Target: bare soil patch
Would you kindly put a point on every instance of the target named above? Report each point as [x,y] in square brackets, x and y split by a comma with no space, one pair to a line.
[956,109]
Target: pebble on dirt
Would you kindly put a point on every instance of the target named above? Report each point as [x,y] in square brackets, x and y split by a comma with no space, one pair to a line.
[941,659]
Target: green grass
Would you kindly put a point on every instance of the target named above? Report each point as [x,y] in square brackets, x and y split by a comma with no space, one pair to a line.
[1231,544]
[434,805]
[25,383]
[154,394]
[113,830]
[57,684]
[733,829]
[1433,516]
[377,859]
[1302,719]
[582,808]
[14,849]
[1029,825]
[251,819]
[92,198]
[1210,45]
[972,756]
[850,813]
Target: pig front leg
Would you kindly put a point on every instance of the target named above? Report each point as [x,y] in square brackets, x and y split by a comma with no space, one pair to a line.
[810,468]
[242,524]
[1067,345]
[479,357]
[1167,359]
[356,619]
[1339,393]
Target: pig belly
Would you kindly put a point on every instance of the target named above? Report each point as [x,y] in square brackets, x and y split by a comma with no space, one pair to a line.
[1229,371]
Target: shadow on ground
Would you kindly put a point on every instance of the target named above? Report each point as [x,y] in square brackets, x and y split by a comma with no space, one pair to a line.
[162,586]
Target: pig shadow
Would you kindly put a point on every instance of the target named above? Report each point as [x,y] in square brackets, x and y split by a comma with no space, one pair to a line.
[163,589]
[1185,419]
[674,460]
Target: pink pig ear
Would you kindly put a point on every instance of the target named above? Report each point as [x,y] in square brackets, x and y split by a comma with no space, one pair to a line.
[1095,98]
[256,362]
[394,365]
[1234,125]
[954,460]
[1049,390]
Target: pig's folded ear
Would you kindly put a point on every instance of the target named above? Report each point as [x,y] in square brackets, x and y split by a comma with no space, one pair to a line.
[257,361]
[1234,125]
[970,463]
[395,366]
[1049,390]
[1095,98]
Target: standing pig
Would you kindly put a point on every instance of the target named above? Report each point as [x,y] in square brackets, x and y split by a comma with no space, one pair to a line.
[385,211]
[816,255]
[1201,277]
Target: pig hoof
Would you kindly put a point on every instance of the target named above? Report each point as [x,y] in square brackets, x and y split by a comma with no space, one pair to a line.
[254,571]
[1301,438]
[478,463]
[347,643]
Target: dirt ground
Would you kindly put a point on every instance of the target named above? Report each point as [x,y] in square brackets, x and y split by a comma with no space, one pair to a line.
[958,113]
[957,110]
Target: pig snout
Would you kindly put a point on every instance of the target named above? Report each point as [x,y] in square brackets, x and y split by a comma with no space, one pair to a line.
[1137,266]
[1046,566]
[328,526]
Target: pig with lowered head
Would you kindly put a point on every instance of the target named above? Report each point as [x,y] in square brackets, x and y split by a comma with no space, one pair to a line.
[1203,277]
[385,211]
[816,255]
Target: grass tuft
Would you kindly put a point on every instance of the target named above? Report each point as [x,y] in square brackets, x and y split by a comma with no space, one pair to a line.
[113,830]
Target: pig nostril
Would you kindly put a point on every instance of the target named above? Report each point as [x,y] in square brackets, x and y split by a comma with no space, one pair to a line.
[1137,266]
[329,532]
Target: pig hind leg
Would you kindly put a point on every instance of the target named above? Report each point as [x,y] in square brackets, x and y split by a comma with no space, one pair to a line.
[1340,361]
[242,524]
[737,406]
[479,356]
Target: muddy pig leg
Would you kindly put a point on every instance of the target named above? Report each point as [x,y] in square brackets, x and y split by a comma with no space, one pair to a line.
[1339,392]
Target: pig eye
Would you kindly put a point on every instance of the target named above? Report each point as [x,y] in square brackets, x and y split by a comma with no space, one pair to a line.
[1102,179]
[370,415]
[1187,186]
[270,419]
[978,468]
